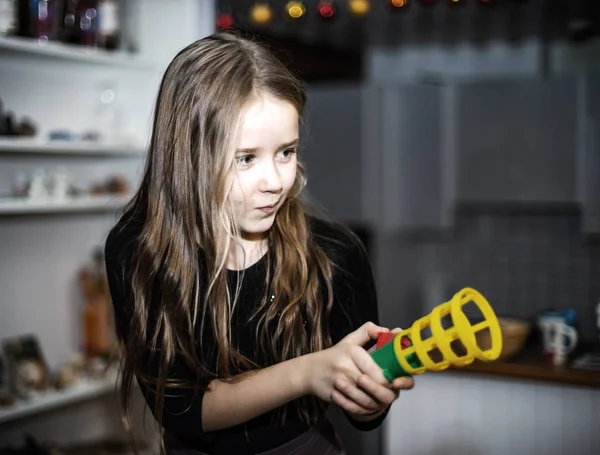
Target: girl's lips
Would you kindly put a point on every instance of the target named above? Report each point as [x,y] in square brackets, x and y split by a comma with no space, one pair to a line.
[268,208]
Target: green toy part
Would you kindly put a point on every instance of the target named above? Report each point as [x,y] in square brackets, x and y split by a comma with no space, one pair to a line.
[387,360]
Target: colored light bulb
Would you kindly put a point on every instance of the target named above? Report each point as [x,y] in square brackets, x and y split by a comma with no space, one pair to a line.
[295,9]
[225,20]
[326,9]
[359,7]
[261,13]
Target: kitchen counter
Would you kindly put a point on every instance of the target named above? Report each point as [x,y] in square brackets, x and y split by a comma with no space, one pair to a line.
[533,366]
[479,414]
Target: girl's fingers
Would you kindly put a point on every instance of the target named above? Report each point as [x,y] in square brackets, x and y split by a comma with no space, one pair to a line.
[365,363]
[347,404]
[403,383]
[368,396]
[382,394]
[357,396]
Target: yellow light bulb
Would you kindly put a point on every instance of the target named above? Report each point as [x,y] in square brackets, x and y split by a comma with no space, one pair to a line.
[295,9]
[261,13]
[359,7]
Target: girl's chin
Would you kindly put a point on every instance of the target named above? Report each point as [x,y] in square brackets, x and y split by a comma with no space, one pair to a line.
[257,230]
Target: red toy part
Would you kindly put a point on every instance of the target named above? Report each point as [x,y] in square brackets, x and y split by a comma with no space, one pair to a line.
[384,338]
[405,342]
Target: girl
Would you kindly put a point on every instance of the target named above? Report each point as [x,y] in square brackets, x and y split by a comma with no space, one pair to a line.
[242,315]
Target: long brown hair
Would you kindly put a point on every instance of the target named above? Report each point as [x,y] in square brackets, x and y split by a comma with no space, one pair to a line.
[184,199]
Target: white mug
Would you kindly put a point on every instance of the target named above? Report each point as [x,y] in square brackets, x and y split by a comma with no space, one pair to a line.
[556,331]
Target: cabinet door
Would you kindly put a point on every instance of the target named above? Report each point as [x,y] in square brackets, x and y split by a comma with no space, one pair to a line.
[515,141]
[331,149]
[589,152]
[411,157]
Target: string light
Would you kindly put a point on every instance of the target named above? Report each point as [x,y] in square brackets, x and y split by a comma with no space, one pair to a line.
[359,7]
[295,9]
[399,3]
[326,9]
[261,13]
[224,20]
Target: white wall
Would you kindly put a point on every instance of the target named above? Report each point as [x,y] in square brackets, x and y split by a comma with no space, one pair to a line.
[464,414]
[164,28]
[40,255]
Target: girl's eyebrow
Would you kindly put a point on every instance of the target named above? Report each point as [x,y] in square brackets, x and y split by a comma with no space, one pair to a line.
[282,146]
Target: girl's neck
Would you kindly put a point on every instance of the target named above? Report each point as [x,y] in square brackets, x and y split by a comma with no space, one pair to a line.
[245,253]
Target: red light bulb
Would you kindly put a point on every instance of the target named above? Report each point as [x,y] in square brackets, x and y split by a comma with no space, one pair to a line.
[326,9]
[225,20]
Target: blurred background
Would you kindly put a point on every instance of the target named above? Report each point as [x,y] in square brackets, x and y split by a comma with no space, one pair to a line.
[460,139]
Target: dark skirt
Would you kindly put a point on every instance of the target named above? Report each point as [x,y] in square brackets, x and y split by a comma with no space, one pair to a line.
[320,439]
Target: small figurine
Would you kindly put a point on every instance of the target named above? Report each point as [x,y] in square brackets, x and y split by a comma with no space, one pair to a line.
[60,184]
[37,188]
[10,127]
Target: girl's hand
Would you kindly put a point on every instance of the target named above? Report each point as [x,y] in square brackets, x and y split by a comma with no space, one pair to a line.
[346,375]
[369,386]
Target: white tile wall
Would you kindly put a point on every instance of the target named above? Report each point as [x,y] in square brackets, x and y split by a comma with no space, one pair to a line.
[462,414]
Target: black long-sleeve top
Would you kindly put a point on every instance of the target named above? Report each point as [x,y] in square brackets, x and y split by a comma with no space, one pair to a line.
[354,303]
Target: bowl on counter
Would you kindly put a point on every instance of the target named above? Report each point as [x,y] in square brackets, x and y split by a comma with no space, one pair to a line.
[514,335]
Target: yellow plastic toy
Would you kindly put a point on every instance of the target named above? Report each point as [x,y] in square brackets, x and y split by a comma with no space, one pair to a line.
[406,353]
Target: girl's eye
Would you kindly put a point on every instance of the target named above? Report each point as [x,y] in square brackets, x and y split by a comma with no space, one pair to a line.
[287,153]
[245,160]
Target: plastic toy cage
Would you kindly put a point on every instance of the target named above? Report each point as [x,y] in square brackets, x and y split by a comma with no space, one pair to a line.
[414,353]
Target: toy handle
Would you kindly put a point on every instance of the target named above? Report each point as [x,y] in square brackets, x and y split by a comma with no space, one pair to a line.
[385,355]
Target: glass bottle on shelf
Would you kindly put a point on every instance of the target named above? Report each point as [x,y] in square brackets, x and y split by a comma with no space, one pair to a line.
[8,17]
[109,24]
[68,32]
[36,19]
[87,22]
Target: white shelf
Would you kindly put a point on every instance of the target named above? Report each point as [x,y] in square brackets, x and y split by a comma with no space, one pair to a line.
[78,148]
[84,389]
[18,206]
[18,46]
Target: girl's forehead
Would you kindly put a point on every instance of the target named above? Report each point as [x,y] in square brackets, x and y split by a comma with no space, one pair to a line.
[267,122]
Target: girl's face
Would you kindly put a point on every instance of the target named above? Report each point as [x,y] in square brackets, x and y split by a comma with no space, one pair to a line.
[265,163]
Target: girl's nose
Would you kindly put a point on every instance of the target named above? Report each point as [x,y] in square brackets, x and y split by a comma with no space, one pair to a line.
[270,180]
